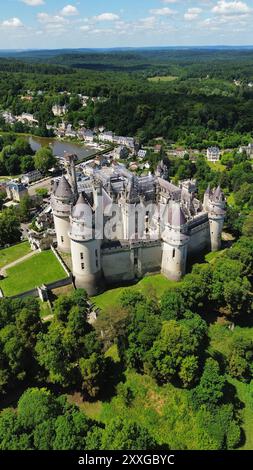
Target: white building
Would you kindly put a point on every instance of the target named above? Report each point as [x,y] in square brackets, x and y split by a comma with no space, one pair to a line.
[88,135]
[106,136]
[142,153]
[8,117]
[58,110]
[248,149]
[127,141]
[213,154]
[27,118]
[31,176]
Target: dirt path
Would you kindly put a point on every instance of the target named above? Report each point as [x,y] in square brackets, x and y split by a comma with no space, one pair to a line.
[14,263]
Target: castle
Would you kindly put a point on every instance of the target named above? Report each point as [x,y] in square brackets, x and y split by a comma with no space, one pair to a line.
[118,226]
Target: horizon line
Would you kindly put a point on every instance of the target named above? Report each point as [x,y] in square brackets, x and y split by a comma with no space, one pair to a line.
[193,46]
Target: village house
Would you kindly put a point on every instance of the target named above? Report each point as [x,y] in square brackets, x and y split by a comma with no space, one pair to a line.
[88,135]
[31,176]
[213,154]
[106,136]
[142,154]
[178,152]
[58,110]
[27,118]
[120,153]
[248,149]
[127,141]
[8,117]
[16,191]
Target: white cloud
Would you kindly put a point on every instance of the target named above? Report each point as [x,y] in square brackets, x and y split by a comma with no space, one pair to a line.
[192,14]
[231,8]
[33,3]
[69,10]
[12,23]
[107,17]
[45,18]
[84,28]
[146,23]
[162,11]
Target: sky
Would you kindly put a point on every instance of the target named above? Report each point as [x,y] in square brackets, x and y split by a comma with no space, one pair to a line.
[53,24]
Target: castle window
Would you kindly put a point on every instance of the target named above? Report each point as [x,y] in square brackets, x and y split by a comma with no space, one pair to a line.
[97,263]
[81,255]
[173,253]
[96,253]
[62,239]
[82,266]
[136,222]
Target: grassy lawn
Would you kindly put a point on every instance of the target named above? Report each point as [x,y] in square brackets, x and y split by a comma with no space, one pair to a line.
[45,310]
[8,255]
[166,78]
[91,409]
[42,268]
[164,411]
[154,285]
[217,166]
[221,337]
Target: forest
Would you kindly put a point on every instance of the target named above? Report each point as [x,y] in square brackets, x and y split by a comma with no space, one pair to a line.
[179,110]
[162,344]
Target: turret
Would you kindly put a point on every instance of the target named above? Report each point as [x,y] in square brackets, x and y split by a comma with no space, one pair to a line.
[216,214]
[175,241]
[61,201]
[85,248]
[206,200]
[69,163]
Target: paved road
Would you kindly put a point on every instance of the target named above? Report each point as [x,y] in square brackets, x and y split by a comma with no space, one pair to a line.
[41,184]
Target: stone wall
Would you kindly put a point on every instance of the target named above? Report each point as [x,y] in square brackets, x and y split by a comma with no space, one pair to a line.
[199,240]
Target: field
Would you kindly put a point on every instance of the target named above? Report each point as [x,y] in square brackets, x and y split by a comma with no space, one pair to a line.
[8,255]
[164,411]
[154,285]
[42,268]
[166,78]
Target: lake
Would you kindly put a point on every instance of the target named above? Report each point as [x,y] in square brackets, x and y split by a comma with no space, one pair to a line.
[59,148]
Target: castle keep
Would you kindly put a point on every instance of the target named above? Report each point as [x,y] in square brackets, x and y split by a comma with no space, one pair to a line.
[118,226]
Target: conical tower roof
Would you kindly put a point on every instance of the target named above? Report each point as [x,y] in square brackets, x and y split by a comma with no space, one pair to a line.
[55,186]
[82,209]
[208,190]
[217,193]
[176,217]
[63,190]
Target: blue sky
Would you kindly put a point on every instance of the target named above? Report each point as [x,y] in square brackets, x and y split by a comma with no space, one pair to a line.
[114,23]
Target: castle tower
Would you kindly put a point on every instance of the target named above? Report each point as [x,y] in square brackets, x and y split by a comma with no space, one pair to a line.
[61,201]
[69,163]
[175,241]
[206,200]
[216,216]
[85,249]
